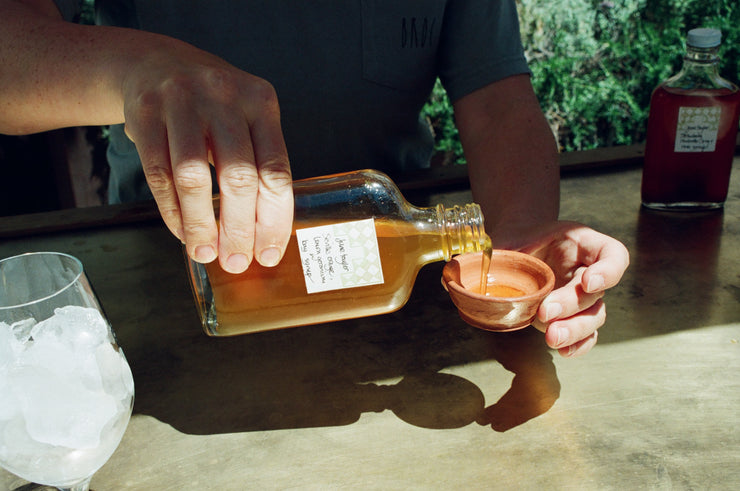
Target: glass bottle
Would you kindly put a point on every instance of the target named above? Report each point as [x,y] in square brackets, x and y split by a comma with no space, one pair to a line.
[692,130]
[356,248]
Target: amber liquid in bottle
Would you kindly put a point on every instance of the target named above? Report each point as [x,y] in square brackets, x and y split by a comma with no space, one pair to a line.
[287,295]
[689,178]
[274,297]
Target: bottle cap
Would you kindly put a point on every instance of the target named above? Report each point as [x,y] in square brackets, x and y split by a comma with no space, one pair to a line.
[704,38]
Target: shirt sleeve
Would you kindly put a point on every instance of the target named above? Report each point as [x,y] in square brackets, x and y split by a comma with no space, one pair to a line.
[480,44]
[70,9]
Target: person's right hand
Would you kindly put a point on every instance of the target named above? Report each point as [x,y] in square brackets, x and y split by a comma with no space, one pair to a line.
[185,110]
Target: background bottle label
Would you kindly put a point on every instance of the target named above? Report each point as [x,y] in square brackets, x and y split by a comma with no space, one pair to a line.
[697,129]
[340,255]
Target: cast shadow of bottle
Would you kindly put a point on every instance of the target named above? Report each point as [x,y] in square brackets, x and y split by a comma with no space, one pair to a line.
[218,391]
[443,401]
[329,375]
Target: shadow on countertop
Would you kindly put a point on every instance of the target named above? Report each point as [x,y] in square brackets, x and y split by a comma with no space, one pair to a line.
[326,375]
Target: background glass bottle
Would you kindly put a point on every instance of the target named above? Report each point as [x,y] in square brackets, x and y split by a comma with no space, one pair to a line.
[692,130]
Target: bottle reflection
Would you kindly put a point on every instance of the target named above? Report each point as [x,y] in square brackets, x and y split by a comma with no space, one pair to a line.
[675,267]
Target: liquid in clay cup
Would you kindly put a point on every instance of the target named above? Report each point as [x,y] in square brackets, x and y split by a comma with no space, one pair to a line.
[461,278]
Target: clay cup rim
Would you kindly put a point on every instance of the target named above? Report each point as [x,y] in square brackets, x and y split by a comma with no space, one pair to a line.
[509,268]
[453,271]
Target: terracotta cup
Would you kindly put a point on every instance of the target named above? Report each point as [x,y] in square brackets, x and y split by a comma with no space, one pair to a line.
[525,277]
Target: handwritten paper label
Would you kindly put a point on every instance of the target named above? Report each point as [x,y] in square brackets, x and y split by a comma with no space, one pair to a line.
[697,129]
[340,255]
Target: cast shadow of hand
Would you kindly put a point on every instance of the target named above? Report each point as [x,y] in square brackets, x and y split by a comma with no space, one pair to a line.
[442,401]
[314,377]
[535,386]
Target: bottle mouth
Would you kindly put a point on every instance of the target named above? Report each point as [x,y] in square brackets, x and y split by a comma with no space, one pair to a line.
[463,229]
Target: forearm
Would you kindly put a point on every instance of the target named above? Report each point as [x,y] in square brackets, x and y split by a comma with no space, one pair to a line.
[56,74]
[512,160]
[517,184]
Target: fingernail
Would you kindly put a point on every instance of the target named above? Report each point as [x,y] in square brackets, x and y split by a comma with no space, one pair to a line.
[205,254]
[595,283]
[552,311]
[561,338]
[237,263]
[270,256]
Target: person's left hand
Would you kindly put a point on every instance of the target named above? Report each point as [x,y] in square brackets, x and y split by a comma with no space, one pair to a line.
[586,263]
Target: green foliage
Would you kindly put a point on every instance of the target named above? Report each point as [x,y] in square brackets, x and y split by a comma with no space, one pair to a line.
[440,115]
[87,12]
[595,63]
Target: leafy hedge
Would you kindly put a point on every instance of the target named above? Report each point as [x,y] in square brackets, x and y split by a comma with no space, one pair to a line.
[595,63]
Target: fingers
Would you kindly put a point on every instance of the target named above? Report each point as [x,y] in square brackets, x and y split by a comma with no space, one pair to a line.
[570,316]
[610,265]
[274,212]
[275,200]
[233,157]
[568,300]
[566,334]
[192,184]
[235,117]
[256,211]
[581,347]
[170,140]
[155,158]
[255,185]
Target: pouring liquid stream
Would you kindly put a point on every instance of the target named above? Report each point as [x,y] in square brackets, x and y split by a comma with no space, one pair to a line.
[487,285]
[485,269]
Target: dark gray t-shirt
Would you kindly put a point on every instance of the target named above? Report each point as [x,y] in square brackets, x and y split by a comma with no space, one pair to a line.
[351,76]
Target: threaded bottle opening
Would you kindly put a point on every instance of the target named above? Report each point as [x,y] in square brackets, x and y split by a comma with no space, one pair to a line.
[462,229]
[702,45]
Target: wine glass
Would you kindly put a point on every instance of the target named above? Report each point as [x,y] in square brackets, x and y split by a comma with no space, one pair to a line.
[66,389]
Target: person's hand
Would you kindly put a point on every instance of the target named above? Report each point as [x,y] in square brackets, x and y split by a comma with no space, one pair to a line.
[185,110]
[586,263]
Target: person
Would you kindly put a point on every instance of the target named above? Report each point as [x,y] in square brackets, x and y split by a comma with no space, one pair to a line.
[237,85]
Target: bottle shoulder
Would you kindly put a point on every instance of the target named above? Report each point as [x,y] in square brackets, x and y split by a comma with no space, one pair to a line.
[667,90]
[363,193]
[697,77]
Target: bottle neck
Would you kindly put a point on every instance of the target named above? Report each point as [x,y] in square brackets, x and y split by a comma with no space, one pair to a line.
[703,56]
[701,62]
[700,70]
[462,230]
